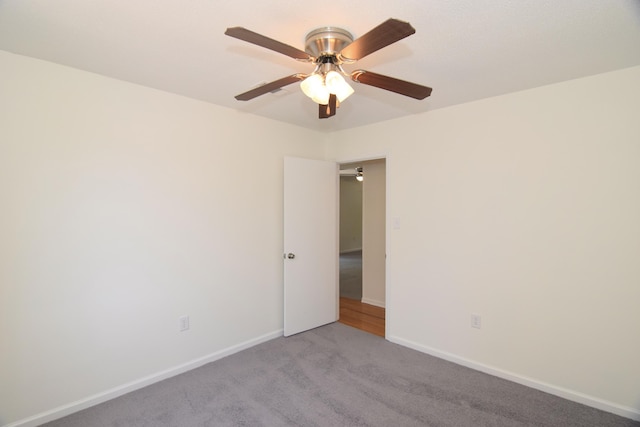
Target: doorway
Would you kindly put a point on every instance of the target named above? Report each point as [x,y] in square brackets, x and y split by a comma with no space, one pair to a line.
[362,245]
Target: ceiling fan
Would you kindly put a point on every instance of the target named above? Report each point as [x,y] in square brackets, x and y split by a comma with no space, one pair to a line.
[328,48]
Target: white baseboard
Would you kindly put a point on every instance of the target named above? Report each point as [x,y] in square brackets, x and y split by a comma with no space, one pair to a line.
[348,251]
[594,402]
[96,399]
[372,302]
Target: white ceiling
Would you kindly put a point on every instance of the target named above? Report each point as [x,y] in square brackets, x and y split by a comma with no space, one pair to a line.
[465,49]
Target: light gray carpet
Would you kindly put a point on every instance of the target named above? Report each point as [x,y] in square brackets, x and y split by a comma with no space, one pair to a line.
[337,376]
[351,275]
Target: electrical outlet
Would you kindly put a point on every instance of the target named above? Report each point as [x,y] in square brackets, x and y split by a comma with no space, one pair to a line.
[396,223]
[184,323]
[476,321]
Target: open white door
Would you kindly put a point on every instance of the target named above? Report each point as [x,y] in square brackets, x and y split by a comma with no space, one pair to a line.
[310,244]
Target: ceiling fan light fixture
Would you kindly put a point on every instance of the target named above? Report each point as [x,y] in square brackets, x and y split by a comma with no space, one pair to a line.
[337,85]
[314,87]
[328,48]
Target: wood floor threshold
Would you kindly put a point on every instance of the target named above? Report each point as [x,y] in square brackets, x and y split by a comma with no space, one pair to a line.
[366,317]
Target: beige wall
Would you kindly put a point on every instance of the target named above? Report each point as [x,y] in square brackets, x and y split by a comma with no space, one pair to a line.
[350,214]
[373,238]
[523,209]
[117,218]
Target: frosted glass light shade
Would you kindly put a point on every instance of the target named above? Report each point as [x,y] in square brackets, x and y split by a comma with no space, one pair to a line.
[338,86]
[313,86]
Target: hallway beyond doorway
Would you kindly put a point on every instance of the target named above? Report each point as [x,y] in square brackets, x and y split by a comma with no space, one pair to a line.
[365,317]
[353,312]
[351,275]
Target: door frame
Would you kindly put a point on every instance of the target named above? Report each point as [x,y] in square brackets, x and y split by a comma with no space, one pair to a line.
[341,161]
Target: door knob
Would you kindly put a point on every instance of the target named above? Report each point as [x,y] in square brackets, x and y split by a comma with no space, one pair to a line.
[291,255]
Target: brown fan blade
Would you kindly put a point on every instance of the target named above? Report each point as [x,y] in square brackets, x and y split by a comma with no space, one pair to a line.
[383,35]
[260,40]
[328,110]
[269,87]
[392,84]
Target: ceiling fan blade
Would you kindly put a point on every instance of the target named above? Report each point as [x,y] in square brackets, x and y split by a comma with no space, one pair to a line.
[260,40]
[269,87]
[328,110]
[383,35]
[402,87]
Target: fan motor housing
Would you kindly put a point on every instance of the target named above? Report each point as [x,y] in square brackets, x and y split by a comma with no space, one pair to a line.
[327,41]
